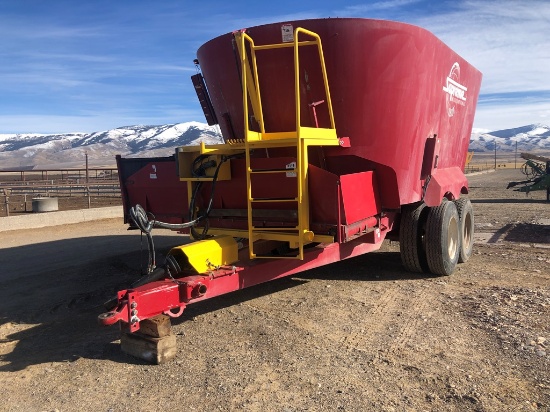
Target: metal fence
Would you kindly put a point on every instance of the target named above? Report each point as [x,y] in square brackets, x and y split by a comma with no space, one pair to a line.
[63,190]
[16,197]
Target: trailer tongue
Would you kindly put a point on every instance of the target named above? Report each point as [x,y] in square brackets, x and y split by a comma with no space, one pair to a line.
[338,133]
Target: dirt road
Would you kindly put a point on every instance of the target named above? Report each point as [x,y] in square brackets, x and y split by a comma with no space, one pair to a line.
[359,335]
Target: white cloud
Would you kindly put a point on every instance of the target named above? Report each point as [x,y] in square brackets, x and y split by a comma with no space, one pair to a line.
[233,24]
[504,116]
[94,121]
[508,41]
[364,9]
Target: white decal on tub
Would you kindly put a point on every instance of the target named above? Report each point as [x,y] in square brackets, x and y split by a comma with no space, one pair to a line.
[288,33]
[291,165]
[456,92]
[154,174]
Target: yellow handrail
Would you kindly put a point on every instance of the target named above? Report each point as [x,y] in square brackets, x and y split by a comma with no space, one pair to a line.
[297,75]
[251,86]
[249,80]
[300,137]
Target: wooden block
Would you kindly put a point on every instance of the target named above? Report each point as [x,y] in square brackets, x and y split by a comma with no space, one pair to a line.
[157,327]
[150,349]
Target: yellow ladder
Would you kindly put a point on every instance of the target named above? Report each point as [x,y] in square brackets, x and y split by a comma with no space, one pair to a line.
[300,138]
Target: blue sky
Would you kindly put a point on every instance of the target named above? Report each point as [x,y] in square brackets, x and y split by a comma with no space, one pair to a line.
[69,65]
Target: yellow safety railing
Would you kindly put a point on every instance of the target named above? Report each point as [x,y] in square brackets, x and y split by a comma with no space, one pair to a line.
[301,137]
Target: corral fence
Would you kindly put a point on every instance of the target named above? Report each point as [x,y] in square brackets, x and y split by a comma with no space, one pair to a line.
[477,168]
[75,188]
[482,167]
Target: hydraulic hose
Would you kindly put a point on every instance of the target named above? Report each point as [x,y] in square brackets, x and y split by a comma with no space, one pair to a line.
[141,219]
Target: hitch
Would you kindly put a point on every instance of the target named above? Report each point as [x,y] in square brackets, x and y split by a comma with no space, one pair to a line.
[145,302]
[207,259]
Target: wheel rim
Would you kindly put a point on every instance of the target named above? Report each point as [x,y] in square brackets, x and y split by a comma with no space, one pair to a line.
[452,238]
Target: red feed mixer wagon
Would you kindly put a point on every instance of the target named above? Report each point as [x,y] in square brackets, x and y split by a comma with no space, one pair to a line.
[338,134]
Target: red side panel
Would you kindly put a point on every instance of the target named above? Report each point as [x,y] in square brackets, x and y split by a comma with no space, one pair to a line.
[360,196]
[154,184]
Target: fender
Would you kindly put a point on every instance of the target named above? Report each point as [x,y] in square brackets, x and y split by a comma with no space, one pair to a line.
[450,180]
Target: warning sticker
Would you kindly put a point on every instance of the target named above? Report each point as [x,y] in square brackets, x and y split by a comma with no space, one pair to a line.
[288,33]
[292,166]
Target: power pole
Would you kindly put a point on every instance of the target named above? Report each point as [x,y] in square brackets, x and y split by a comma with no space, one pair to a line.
[87,180]
[495,141]
[87,174]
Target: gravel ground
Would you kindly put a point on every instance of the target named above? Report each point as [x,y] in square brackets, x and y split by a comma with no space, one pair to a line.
[358,335]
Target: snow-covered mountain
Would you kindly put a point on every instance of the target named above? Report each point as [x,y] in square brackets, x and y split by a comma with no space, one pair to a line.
[531,138]
[68,150]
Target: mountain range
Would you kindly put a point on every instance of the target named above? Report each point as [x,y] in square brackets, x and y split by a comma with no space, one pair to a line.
[27,151]
[531,138]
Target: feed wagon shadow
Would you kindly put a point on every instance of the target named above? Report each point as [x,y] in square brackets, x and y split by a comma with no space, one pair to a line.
[52,292]
[522,233]
[506,201]
[376,266]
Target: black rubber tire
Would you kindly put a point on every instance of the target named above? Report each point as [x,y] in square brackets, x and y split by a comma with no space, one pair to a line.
[411,232]
[442,239]
[466,215]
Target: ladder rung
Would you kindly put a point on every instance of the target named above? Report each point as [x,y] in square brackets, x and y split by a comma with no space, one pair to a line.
[271,170]
[275,257]
[278,228]
[280,236]
[275,235]
[272,143]
[273,199]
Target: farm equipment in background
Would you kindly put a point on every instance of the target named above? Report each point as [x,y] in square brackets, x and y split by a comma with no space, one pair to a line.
[338,134]
[469,157]
[537,170]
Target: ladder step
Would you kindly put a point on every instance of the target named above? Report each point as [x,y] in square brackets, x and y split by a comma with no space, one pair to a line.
[277,228]
[275,257]
[281,170]
[274,199]
[272,143]
[281,236]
